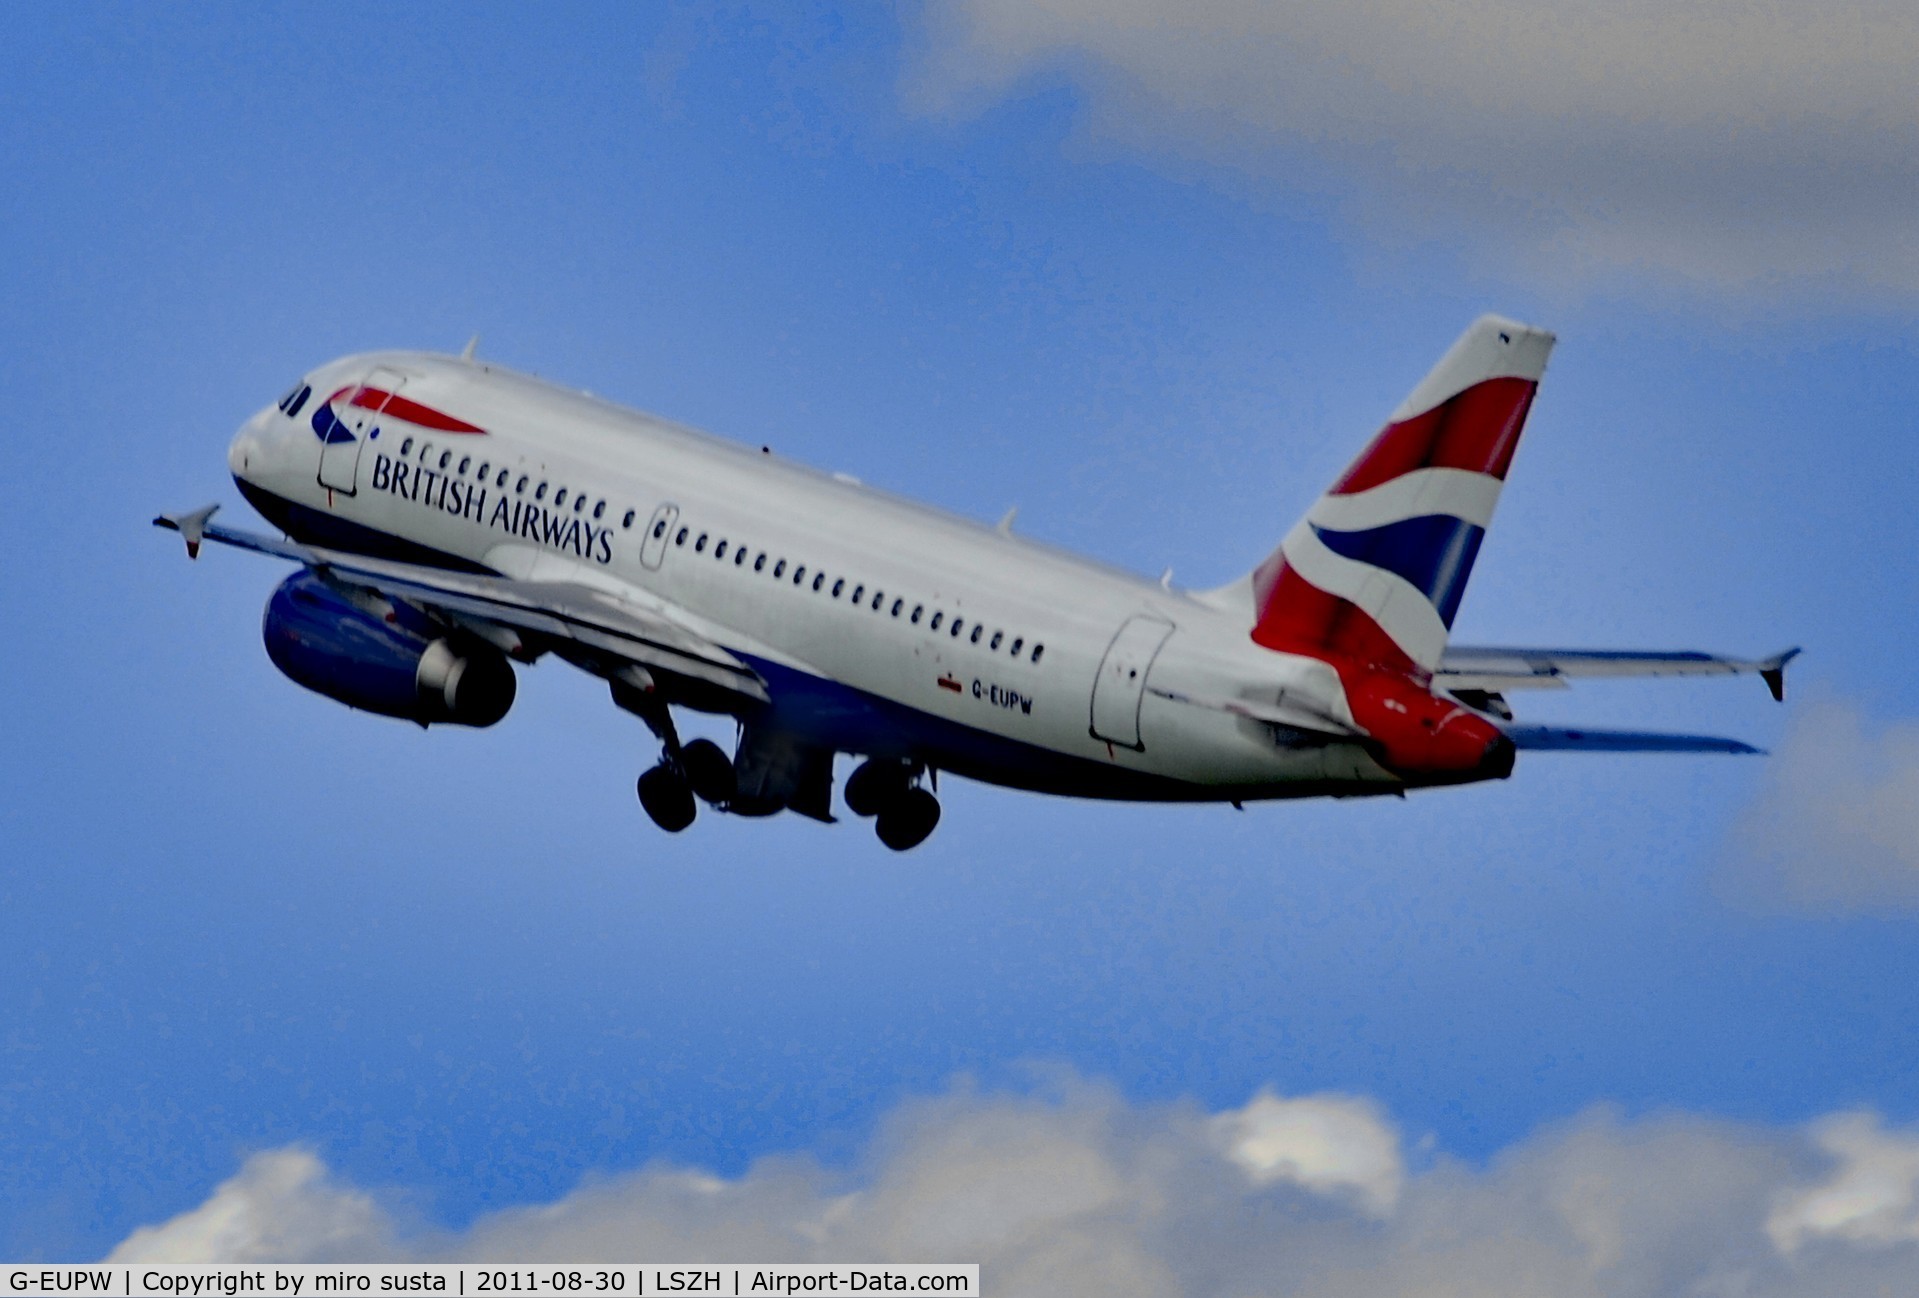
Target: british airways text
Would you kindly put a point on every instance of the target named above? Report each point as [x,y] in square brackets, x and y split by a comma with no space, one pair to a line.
[515,517]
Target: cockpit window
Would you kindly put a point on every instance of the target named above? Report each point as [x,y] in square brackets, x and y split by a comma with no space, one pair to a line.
[292,401]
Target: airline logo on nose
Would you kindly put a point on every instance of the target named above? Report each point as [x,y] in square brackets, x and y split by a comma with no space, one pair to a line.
[330,428]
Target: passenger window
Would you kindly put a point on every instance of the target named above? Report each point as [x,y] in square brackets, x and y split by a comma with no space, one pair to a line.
[1038,649]
[879,598]
[759,564]
[779,569]
[426,451]
[719,551]
[579,502]
[898,604]
[600,509]
[1014,649]
[659,528]
[486,471]
[681,538]
[958,622]
[935,623]
[699,546]
[838,585]
[917,610]
[739,556]
[559,497]
[994,643]
[406,447]
[977,628]
[519,488]
[859,593]
[799,574]
[539,492]
[500,482]
[445,458]
[465,460]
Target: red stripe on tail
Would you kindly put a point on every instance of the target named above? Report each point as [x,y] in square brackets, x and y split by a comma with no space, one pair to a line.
[1298,617]
[1477,430]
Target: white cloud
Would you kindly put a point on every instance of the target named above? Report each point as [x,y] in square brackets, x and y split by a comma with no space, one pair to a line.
[1836,824]
[282,1204]
[1330,1144]
[1081,1193]
[1735,143]
[1872,1196]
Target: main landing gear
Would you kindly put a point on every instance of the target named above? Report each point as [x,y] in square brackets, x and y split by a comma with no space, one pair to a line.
[889,791]
[886,789]
[699,770]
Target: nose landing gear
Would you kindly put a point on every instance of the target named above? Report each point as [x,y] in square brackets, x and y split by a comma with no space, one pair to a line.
[904,813]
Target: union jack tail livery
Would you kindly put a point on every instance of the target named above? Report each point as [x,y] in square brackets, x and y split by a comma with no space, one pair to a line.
[1374,573]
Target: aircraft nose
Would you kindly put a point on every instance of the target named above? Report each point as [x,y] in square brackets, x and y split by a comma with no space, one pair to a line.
[249,444]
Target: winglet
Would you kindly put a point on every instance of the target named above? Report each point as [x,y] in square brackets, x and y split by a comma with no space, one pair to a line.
[191,527]
[1773,672]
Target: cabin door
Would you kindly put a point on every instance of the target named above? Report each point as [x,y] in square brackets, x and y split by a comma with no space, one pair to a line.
[355,419]
[1121,682]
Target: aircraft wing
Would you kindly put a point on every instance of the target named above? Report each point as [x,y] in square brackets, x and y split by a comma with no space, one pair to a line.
[1495,670]
[585,625]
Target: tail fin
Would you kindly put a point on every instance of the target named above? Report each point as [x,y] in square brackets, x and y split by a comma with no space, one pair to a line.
[1375,571]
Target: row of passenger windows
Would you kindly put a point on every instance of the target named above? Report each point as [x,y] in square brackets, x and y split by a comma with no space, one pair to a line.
[857,594]
[1016,646]
[486,470]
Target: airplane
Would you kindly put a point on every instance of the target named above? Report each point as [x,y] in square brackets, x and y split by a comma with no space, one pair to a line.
[452,518]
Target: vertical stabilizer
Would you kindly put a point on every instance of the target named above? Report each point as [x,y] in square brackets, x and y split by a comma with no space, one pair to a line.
[1375,571]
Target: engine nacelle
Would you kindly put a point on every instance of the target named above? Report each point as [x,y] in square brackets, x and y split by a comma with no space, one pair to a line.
[1423,737]
[320,638]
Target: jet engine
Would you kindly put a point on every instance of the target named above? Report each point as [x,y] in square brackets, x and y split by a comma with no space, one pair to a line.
[397,666]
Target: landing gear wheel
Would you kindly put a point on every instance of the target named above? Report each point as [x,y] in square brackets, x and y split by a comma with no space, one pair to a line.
[709,771]
[667,798]
[906,821]
[874,785]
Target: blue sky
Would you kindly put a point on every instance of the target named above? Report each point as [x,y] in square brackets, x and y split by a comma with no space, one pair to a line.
[993,268]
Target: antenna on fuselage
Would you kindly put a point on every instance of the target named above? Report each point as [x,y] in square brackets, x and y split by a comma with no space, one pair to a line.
[472,345]
[1005,526]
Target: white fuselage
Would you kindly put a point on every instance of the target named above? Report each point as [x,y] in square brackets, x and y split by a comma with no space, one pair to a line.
[561,486]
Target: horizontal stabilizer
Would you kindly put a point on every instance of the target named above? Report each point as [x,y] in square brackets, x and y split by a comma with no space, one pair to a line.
[1477,668]
[1568,739]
